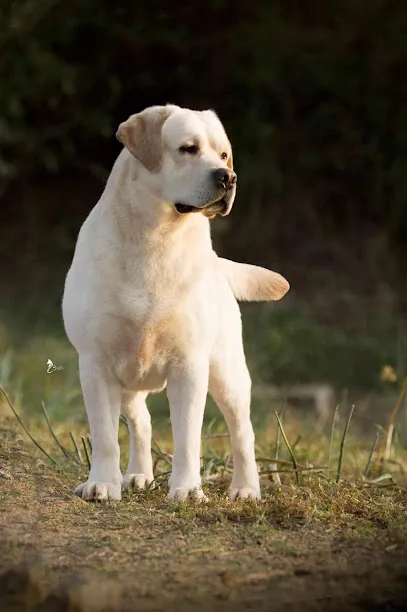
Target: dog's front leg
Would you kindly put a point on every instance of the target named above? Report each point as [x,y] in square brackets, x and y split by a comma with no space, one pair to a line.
[102,397]
[187,389]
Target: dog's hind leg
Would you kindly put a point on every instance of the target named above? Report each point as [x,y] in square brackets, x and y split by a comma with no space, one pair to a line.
[139,471]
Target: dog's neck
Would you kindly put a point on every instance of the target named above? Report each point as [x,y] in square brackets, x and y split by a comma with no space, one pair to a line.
[141,215]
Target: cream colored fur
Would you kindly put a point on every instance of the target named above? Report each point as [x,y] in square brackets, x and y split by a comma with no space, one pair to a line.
[148,304]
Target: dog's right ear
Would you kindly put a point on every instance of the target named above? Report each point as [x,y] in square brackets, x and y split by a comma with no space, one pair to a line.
[141,134]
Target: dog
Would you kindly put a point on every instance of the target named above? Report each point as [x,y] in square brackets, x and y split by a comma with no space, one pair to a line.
[148,304]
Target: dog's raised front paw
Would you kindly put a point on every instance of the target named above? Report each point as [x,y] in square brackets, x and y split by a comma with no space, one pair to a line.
[98,491]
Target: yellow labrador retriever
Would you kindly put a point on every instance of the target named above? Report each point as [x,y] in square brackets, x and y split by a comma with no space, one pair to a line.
[148,304]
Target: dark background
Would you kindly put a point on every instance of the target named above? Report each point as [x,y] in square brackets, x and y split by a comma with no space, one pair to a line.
[313,96]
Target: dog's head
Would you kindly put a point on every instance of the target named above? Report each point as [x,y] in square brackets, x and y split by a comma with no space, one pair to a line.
[188,157]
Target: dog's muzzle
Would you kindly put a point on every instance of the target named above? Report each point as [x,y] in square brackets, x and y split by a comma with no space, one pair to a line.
[225,181]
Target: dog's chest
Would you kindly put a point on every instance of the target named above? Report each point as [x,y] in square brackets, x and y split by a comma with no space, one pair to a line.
[162,330]
[156,347]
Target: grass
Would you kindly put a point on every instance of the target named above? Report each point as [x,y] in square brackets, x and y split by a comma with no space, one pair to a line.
[311,454]
[320,533]
[331,526]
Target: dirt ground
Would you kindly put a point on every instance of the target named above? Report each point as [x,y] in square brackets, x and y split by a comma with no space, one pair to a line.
[316,547]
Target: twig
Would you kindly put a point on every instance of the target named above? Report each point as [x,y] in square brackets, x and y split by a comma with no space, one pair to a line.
[270,460]
[53,434]
[158,459]
[297,475]
[151,485]
[390,485]
[76,447]
[85,448]
[331,442]
[155,464]
[217,435]
[399,465]
[160,453]
[300,469]
[371,454]
[383,451]
[345,431]
[26,430]
[163,456]
[392,419]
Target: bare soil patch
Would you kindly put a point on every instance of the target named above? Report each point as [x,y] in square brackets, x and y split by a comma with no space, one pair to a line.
[320,546]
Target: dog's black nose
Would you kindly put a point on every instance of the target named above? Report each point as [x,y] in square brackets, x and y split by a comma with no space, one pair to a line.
[225,178]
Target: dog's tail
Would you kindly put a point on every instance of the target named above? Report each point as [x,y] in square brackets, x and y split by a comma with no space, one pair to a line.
[252,283]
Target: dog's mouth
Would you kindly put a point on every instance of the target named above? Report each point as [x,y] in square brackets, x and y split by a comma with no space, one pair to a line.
[184,208]
[220,207]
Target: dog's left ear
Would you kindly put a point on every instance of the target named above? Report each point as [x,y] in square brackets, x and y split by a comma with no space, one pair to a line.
[141,134]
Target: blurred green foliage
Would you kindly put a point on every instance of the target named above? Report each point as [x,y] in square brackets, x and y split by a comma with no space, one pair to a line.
[284,346]
[287,346]
[314,97]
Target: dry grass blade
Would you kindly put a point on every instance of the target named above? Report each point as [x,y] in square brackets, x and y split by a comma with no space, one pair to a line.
[290,450]
[33,440]
[371,455]
[76,447]
[270,460]
[218,435]
[400,465]
[276,476]
[85,448]
[152,485]
[123,420]
[345,431]
[392,420]
[383,452]
[278,434]
[164,456]
[331,441]
[67,454]
[292,470]
[158,459]
[381,478]
[277,446]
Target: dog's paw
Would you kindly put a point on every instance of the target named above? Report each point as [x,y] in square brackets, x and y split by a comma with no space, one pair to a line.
[245,493]
[98,491]
[179,494]
[135,481]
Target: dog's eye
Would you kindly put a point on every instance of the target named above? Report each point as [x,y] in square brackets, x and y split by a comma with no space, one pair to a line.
[224,156]
[191,149]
